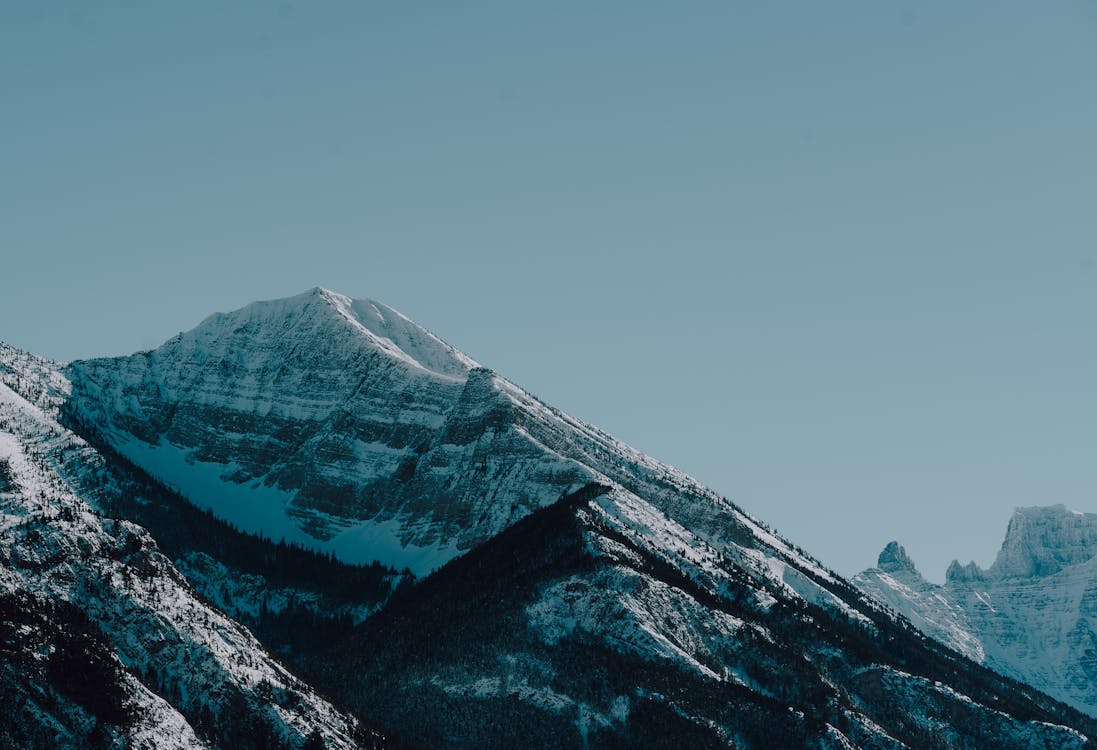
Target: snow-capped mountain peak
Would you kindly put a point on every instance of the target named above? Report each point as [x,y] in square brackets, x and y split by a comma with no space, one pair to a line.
[323,313]
[398,335]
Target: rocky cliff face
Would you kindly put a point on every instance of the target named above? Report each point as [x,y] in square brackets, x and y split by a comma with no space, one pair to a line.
[1031,615]
[1041,542]
[102,642]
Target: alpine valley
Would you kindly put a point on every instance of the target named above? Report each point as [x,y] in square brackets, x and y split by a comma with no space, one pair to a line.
[311,523]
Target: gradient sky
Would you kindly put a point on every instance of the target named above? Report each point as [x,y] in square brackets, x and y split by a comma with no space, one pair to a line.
[837,260]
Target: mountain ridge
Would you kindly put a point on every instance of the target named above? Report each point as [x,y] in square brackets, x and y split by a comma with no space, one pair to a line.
[582,590]
[1028,615]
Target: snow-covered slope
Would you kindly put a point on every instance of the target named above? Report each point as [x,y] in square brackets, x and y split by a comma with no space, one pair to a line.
[600,622]
[340,424]
[897,583]
[142,662]
[1031,615]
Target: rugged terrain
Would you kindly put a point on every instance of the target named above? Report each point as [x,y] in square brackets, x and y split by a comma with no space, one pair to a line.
[600,622]
[1031,615]
[104,642]
[465,565]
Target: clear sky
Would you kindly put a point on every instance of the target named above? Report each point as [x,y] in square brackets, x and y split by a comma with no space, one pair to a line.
[837,260]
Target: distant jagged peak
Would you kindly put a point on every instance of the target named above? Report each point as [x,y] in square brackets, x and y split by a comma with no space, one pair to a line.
[1042,540]
[958,573]
[376,324]
[894,559]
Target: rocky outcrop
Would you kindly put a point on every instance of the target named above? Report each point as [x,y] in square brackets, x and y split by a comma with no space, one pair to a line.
[894,559]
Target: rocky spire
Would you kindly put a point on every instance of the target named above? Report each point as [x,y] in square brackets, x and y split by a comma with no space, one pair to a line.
[895,559]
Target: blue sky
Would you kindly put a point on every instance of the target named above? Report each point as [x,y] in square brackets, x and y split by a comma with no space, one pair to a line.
[837,260]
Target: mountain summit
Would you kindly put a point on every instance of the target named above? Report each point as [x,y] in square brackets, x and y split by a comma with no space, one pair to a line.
[321,315]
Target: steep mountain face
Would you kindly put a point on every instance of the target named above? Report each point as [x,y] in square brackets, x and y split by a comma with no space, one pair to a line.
[328,421]
[406,455]
[102,642]
[592,597]
[1031,615]
[309,419]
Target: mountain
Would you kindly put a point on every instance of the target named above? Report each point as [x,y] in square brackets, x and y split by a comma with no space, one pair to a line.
[559,587]
[339,424]
[103,643]
[1031,615]
[599,622]
[331,422]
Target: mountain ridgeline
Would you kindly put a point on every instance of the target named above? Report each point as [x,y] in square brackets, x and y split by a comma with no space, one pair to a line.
[1031,615]
[438,553]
